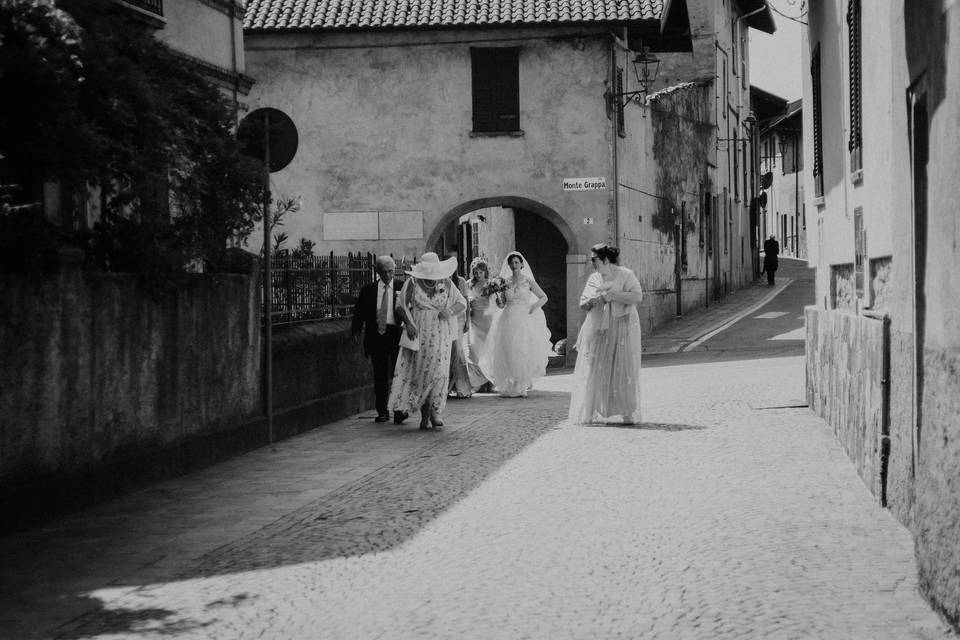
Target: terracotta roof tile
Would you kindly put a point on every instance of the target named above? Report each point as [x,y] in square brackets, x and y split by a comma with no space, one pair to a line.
[386,14]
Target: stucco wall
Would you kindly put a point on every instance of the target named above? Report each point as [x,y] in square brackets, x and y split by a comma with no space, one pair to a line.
[937,512]
[912,260]
[99,367]
[203,31]
[931,34]
[385,125]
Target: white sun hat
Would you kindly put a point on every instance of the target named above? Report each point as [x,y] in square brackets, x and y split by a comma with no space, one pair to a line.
[431,267]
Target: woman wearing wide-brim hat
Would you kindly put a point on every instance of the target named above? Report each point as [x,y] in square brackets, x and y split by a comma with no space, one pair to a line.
[428,304]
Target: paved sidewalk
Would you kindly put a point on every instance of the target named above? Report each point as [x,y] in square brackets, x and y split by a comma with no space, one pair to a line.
[716,518]
[684,332]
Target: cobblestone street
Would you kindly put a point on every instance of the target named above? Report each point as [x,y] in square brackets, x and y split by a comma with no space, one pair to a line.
[731,512]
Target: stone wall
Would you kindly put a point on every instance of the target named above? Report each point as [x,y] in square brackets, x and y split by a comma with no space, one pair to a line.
[105,372]
[319,375]
[845,385]
[113,380]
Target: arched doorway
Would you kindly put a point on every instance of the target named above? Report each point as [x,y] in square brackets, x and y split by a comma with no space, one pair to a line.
[494,226]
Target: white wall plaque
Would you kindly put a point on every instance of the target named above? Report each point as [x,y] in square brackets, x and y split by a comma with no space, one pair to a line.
[401,225]
[350,225]
[584,184]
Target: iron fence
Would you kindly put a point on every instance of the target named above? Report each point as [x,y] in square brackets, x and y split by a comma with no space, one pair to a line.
[317,288]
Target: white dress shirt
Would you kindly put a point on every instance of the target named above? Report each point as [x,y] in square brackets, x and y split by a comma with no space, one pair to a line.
[390,299]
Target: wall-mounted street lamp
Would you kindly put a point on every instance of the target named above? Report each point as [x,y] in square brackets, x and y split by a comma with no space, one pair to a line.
[749,121]
[646,66]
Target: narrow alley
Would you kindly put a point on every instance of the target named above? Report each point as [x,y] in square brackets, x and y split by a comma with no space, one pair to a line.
[731,512]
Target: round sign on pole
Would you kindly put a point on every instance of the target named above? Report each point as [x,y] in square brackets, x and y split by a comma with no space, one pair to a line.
[279,130]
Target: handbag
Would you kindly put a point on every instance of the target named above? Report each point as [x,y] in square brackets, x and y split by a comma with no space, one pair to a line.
[413,344]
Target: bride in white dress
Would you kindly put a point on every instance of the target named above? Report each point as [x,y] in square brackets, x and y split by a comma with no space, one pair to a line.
[519,341]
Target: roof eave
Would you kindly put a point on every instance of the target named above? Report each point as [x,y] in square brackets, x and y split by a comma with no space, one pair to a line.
[445,27]
[762,20]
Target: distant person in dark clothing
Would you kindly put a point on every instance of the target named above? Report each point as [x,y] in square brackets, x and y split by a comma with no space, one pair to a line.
[771,249]
[375,316]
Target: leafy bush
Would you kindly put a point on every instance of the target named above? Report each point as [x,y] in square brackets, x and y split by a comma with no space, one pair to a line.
[112,113]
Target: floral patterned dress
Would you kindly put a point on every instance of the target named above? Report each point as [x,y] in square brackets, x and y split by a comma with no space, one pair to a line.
[423,376]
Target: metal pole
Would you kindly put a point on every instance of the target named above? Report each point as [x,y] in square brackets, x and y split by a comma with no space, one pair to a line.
[677,267]
[267,283]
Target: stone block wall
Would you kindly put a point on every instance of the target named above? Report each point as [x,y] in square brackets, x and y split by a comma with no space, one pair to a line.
[319,375]
[113,380]
[845,384]
[106,375]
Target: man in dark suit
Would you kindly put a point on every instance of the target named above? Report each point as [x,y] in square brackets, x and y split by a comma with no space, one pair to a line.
[374,314]
[771,249]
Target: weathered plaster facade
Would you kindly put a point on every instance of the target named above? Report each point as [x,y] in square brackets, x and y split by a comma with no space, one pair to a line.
[781,156]
[206,33]
[897,218]
[384,124]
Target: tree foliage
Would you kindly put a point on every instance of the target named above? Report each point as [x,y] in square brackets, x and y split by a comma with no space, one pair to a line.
[94,101]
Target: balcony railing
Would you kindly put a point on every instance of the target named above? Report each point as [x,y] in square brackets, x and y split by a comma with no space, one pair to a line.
[150,6]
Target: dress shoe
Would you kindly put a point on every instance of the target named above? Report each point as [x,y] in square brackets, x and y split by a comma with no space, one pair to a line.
[382,417]
[399,417]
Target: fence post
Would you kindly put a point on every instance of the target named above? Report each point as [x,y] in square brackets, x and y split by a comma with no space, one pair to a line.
[333,284]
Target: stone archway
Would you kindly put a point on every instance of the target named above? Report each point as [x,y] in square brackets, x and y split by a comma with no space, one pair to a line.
[547,241]
[512,202]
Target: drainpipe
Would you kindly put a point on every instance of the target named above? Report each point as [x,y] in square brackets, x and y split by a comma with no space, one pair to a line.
[615,165]
[884,318]
[885,414]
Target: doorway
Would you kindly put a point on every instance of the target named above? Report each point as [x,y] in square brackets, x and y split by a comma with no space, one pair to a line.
[493,228]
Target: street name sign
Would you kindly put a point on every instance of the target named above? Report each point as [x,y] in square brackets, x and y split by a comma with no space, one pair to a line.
[584,184]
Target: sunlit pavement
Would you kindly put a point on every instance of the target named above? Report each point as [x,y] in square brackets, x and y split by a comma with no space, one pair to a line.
[730,512]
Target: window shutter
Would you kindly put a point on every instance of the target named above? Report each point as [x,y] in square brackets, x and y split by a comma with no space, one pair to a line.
[496,90]
[856,131]
[817,124]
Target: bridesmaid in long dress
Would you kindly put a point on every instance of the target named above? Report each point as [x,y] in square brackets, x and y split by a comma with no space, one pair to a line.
[428,304]
[460,385]
[606,378]
[481,317]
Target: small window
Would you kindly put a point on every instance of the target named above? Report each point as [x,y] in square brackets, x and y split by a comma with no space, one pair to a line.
[703,200]
[736,165]
[743,59]
[496,90]
[859,249]
[734,41]
[725,98]
[621,127]
[726,222]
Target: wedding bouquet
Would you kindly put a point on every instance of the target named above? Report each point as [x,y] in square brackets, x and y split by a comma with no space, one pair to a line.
[494,285]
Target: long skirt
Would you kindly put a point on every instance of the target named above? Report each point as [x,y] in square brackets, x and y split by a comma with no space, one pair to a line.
[519,350]
[606,378]
[422,376]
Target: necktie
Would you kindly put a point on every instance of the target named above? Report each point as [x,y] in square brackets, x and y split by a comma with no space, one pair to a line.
[382,312]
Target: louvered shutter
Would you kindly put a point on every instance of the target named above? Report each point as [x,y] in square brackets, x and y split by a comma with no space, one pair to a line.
[496,90]
[817,124]
[855,144]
